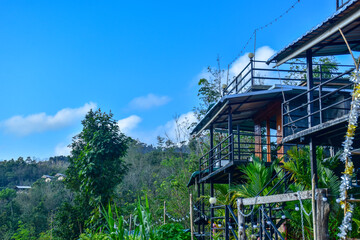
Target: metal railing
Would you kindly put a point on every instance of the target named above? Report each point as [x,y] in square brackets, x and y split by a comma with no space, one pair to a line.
[218,156]
[331,99]
[341,3]
[241,148]
[257,75]
[225,220]
[263,217]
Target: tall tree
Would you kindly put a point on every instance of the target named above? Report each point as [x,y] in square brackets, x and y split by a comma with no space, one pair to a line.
[96,165]
[96,168]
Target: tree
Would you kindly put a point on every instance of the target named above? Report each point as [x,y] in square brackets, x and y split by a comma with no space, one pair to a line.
[96,168]
[210,90]
[298,69]
[96,165]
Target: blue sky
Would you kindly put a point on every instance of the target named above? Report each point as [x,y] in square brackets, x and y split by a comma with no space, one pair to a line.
[141,59]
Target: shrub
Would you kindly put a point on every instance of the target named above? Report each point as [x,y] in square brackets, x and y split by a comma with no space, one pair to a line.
[172,231]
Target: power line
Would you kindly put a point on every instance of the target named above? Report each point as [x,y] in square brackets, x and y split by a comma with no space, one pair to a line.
[253,35]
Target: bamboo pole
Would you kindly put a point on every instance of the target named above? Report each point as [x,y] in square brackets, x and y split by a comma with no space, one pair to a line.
[313,207]
[348,46]
[191,218]
[357,68]
[164,212]
[130,223]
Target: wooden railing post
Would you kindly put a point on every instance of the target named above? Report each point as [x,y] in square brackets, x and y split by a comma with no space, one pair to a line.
[191,218]
[322,216]
[241,221]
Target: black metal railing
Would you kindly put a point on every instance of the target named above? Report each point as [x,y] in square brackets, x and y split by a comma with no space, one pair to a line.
[218,156]
[257,75]
[331,99]
[341,3]
[201,219]
[225,223]
[266,222]
[241,148]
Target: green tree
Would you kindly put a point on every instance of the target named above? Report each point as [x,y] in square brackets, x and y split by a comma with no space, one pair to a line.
[96,165]
[96,168]
[210,90]
[324,66]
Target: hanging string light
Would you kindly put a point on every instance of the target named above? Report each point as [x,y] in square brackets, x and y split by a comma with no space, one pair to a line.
[253,35]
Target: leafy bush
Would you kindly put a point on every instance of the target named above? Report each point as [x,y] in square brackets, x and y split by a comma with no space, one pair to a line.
[172,231]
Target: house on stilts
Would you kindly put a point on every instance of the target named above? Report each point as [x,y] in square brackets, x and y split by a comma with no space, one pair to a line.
[270,107]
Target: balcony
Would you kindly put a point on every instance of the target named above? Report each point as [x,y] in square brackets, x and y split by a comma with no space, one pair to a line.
[236,149]
[320,111]
[257,75]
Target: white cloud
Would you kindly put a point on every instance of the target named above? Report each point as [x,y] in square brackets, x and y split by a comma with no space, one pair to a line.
[41,122]
[128,124]
[149,101]
[62,150]
[176,129]
[261,54]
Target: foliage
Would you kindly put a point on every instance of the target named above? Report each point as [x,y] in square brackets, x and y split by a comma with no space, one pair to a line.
[257,175]
[172,231]
[299,167]
[159,173]
[96,165]
[7,194]
[70,219]
[298,69]
[27,171]
[54,212]
[96,168]
[9,213]
[24,232]
[33,207]
[209,91]
[116,228]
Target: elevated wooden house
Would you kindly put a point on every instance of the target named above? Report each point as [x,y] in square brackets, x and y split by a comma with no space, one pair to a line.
[268,108]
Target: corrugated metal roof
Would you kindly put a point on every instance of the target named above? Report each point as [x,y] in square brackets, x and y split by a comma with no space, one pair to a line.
[333,45]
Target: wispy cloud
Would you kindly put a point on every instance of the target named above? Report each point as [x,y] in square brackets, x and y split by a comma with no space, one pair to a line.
[176,129]
[41,122]
[149,101]
[261,54]
[62,150]
[128,124]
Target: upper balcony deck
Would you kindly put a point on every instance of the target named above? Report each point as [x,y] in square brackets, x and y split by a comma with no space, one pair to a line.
[257,75]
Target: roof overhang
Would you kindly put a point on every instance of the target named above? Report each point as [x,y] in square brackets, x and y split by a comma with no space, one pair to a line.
[325,39]
[243,107]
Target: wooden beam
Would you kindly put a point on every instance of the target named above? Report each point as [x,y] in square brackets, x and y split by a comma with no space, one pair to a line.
[287,197]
